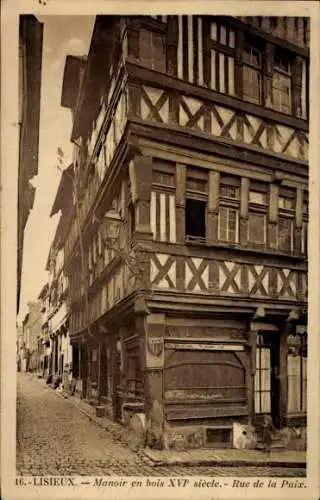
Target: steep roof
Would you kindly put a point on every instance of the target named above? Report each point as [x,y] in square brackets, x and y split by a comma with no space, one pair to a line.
[95,74]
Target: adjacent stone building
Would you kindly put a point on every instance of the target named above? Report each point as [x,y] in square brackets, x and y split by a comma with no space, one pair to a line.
[30,344]
[188,279]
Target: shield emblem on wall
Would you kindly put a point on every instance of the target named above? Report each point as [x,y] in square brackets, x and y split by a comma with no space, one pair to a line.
[155,340]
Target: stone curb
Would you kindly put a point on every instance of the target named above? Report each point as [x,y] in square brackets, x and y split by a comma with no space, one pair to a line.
[183,463]
[229,463]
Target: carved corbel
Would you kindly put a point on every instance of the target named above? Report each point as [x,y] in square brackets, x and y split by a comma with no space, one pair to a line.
[259,314]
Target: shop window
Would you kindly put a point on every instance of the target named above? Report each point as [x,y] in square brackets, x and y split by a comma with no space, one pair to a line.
[228,218]
[257,218]
[262,388]
[152,50]
[252,74]
[281,82]
[195,220]
[134,375]
[297,373]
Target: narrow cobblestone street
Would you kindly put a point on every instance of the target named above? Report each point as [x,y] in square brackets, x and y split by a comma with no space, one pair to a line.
[55,438]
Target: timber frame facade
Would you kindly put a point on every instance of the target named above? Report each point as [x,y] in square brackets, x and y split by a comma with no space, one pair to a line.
[188,284]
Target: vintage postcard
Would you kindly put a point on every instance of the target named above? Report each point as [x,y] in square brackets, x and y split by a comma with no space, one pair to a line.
[159,249]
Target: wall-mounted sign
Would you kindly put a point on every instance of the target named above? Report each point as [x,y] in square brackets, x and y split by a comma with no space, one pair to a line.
[205,347]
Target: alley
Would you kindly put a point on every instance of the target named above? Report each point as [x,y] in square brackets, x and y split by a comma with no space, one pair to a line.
[55,438]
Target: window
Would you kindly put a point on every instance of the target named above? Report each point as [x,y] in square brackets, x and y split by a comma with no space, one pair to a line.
[210,52]
[196,204]
[195,220]
[252,74]
[222,58]
[281,83]
[262,387]
[152,50]
[286,206]
[228,219]
[297,371]
[229,192]
[257,198]
[257,217]
[286,202]
[228,224]
[285,234]
[134,374]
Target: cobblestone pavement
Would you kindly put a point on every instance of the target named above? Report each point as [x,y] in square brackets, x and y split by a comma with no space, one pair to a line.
[55,438]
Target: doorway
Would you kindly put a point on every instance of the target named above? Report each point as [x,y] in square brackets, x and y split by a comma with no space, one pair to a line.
[267,377]
[118,394]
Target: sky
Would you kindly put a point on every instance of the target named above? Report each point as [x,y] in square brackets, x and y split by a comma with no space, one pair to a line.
[62,35]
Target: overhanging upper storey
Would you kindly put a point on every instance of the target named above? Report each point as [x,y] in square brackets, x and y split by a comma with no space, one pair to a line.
[214,77]
[209,85]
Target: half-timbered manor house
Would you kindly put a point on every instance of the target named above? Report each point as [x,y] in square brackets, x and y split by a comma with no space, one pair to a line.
[188,281]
